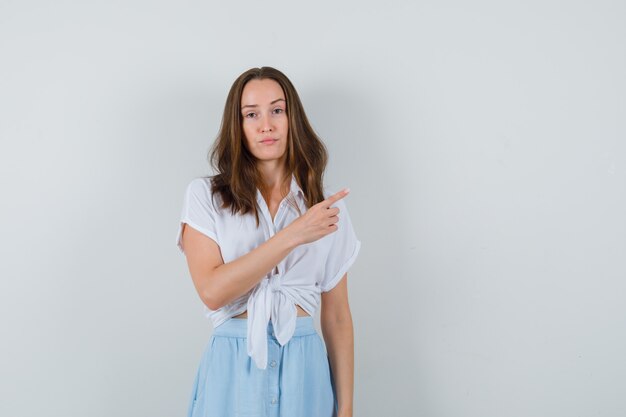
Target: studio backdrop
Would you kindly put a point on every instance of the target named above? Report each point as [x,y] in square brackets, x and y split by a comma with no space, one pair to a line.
[483,143]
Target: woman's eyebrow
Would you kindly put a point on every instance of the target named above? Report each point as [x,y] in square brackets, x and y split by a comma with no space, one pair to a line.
[256,105]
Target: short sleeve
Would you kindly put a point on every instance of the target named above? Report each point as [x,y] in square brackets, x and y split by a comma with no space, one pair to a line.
[344,249]
[198,210]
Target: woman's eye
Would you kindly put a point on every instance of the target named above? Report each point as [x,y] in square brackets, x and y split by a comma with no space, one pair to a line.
[248,115]
[279,110]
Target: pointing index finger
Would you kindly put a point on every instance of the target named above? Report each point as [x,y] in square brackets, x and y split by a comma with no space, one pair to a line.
[337,196]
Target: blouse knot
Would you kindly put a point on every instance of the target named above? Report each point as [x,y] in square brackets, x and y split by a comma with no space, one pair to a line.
[274,282]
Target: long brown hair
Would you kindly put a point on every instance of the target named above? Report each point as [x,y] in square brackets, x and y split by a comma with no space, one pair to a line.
[237,176]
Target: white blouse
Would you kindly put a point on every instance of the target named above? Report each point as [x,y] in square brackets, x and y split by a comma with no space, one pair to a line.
[306,272]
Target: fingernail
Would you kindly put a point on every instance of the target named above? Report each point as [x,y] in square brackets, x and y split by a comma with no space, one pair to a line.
[347,190]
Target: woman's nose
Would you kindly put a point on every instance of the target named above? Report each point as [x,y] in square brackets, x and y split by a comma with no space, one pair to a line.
[266,125]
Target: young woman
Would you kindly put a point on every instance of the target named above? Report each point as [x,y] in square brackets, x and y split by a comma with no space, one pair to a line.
[266,243]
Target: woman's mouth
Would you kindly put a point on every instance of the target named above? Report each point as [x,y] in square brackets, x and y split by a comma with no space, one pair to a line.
[269,141]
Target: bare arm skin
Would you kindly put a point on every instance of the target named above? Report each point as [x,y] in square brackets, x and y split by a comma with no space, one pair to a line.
[219,283]
[338,332]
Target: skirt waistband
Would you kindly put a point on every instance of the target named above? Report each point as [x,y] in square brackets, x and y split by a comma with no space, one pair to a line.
[238,327]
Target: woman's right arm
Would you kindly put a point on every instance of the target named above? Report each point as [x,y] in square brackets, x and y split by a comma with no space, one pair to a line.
[219,283]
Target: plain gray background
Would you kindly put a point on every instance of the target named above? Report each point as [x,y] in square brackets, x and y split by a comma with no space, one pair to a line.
[483,142]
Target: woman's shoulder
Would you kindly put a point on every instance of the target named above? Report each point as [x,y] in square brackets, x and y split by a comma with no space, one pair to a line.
[200,186]
[201,183]
[329,189]
[201,189]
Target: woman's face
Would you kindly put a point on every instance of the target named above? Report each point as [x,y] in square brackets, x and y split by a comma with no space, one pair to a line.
[265,124]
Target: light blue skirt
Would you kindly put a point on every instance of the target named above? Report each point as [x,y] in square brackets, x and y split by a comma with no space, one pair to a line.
[296,383]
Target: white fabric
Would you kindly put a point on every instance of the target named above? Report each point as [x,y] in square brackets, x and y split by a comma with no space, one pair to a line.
[306,272]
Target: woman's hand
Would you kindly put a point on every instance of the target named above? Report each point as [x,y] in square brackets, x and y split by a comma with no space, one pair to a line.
[318,221]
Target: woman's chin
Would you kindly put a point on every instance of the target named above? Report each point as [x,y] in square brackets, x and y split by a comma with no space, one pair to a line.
[269,156]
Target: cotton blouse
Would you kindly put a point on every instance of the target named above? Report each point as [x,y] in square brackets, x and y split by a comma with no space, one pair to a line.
[300,278]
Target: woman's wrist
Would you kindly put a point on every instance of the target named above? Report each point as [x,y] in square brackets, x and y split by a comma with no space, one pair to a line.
[345,412]
[288,237]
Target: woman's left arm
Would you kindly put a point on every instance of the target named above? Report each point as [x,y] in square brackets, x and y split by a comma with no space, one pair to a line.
[338,333]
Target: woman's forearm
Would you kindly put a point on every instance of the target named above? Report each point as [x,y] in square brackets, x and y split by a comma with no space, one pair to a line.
[339,339]
[232,279]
